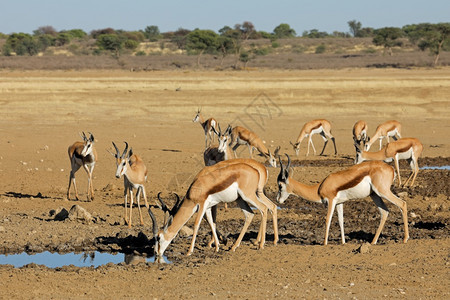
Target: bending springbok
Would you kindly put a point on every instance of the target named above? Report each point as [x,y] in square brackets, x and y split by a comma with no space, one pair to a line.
[82,154]
[134,173]
[242,136]
[230,183]
[385,130]
[404,148]
[321,126]
[360,132]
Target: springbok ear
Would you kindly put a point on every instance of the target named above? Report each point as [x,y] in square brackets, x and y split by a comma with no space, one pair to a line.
[91,138]
[130,153]
[275,153]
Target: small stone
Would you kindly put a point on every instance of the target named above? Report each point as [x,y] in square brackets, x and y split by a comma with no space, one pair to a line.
[365,248]
[78,213]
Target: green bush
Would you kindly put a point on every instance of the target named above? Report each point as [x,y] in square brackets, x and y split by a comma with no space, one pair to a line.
[275,44]
[131,44]
[321,49]
[140,53]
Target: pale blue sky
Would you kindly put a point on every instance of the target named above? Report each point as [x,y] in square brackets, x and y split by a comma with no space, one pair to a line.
[169,15]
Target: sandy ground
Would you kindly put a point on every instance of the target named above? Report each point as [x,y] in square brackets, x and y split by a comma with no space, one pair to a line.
[43,112]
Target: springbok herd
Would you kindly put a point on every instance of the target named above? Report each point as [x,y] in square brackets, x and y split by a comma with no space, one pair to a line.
[226,178]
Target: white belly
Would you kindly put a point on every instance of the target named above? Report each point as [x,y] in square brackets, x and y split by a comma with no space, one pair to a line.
[405,155]
[317,130]
[392,132]
[360,190]
[229,194]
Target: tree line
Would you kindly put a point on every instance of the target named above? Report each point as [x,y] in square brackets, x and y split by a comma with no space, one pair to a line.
[227,41]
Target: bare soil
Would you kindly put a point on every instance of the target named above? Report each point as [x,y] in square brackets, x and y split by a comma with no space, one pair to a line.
[43,112]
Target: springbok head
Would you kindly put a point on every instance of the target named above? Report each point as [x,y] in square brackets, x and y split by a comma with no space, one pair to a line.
[121,159]
[160,243]
[88,144]
[283,181]
[197,116]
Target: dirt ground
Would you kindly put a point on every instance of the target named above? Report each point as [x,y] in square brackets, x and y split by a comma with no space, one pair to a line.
[42,113]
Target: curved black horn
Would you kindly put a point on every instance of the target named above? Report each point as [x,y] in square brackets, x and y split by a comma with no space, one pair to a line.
[176,206]
[163,205]
[155,224]
[124,151]
[117,149]
[289,162]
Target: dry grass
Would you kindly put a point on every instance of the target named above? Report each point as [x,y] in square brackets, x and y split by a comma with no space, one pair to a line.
[291,54]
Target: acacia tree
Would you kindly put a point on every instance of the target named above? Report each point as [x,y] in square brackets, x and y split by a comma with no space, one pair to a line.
[201,41]
[388,38]
[429,36]
[355,27]
[284,31]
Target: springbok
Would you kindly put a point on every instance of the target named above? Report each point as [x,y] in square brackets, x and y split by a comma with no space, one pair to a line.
[223,152]
[371,178]
[321,126]
[360,132]
[229,183]
[385,130]
[404,148]
[209,126]
[82,154]
[134,173]
[242,136]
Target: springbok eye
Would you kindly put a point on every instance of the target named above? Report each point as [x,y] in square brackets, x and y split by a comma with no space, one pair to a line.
[123,164]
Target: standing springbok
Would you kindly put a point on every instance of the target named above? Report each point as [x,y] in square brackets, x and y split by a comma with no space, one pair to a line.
[385,130]
[321,126]
[237,182]
[82,154]
[404,148]
[242,136]
[134,173]
[209,127]
[371,178]
[360,132]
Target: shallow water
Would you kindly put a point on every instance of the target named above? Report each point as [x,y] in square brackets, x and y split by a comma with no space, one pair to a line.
[435,168]
[86,259]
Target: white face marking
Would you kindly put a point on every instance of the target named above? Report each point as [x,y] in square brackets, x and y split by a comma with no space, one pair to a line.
[272,161]
[223,144]
[282,192]
[121,168]
[87,149]
[195,119]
